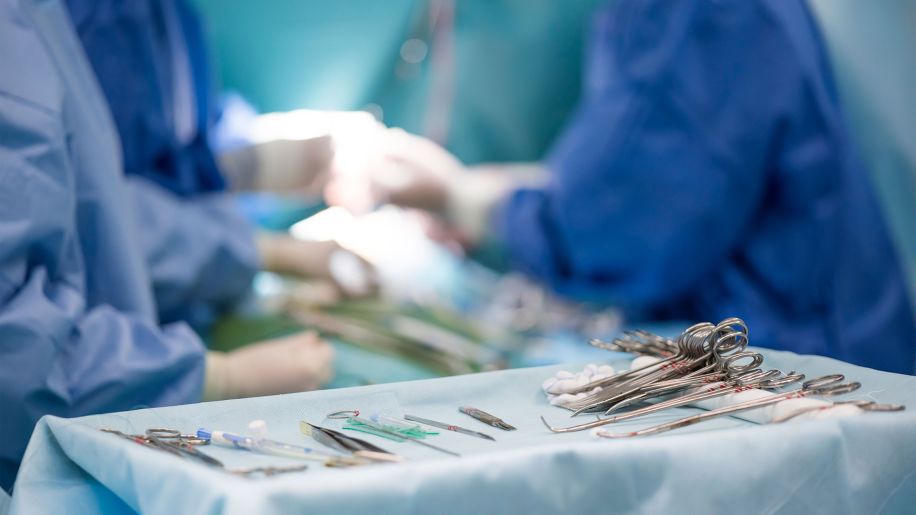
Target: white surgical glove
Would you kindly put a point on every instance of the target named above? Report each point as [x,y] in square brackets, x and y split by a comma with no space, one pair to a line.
[294,363]
[327,260]
[413,171]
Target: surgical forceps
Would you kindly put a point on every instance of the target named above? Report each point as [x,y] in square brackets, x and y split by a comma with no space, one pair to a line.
[354,415]
[347,444]
[822,386]
[751,380]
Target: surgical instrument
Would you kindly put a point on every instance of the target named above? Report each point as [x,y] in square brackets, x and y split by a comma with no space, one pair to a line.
[267,471]
[486,418]
[275,448]
[862,404]
[449,427]
[760,380]
[354,415]
[173,442]
[400,424]
[702,349]
[182,445]
[823,386]
[341,442]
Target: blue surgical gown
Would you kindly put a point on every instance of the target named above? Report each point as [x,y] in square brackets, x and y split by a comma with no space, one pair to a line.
[151,61]
[78,325]
[153,67]
[707,173]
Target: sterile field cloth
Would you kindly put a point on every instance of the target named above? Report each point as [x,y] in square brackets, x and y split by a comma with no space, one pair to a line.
[860,464]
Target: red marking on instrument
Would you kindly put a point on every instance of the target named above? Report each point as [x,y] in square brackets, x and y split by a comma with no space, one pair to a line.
[452,428]
[739,389]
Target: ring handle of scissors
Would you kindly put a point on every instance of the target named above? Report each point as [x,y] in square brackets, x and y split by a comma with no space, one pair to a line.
[733,342]
[344,414]
[791,377]
[834,389]
[822,381]
[731,363]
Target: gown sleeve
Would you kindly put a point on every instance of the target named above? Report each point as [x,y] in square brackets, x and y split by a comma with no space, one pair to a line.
[662,168]
[200,251]
[59,353]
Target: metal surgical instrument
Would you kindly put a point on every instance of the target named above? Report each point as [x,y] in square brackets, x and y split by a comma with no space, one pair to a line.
[275,448]
[183,445]
[173,442]
[341,442]
[863,404]
[449,427]
[703,349]
[486,418]
[750,381]
[354,415]
[823,386]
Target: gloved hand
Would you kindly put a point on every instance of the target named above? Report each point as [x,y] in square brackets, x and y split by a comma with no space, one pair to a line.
[298,167]
[413,171]
[294,363]
[351,274]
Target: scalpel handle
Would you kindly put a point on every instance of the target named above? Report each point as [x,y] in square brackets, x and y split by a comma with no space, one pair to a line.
[486,418]
[448,427]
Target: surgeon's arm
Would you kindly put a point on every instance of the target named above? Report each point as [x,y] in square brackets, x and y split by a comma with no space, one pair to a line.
[200,252]
[662,168]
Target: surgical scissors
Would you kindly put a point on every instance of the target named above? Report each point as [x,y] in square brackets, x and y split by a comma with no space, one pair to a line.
[822,386]
[639,342]
[184,445]
[704,352]
[752,380]
[173,442]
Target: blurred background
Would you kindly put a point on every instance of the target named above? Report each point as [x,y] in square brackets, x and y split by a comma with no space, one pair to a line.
[491,81]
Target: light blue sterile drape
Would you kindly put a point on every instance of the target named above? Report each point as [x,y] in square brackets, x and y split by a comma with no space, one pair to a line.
[708,173]
[861,464]
[78,326]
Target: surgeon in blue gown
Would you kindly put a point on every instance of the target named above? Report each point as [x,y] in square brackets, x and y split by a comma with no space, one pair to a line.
[79,331]
[706,173]
[151,61]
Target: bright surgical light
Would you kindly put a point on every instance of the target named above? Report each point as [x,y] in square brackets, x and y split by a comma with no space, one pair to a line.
[393,240]
[332,223]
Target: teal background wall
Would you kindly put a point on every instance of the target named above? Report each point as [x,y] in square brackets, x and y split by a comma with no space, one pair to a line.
[518,64]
